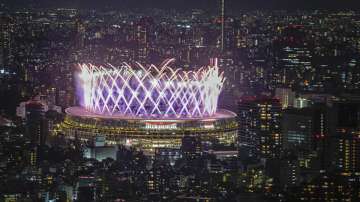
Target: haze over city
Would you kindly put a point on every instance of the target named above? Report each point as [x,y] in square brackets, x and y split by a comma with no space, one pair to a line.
[207,100]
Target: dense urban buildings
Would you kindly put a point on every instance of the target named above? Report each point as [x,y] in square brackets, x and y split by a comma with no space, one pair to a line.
[208,103]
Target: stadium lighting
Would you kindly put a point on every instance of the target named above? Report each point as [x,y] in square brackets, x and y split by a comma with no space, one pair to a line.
[151,91]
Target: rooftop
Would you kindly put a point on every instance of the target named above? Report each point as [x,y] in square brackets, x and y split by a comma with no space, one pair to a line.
[82,112]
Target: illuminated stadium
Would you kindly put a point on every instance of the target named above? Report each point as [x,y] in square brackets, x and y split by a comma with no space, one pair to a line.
[148,106]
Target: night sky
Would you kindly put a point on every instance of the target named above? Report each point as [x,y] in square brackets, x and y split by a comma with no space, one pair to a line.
[185,4]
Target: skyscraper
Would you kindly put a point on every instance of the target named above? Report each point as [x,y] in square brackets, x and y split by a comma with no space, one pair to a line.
[345,142]
[297,129]
[347,151]
[80,35]
[6,27]
[286,97]
[36,130]
[36,127]
[259,125]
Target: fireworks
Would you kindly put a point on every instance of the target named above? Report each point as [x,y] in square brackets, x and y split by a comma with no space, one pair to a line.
[151,91]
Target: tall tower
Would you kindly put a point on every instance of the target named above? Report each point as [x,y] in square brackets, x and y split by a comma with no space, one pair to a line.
[80,35]
[5,41]
[36,127]
[222,23]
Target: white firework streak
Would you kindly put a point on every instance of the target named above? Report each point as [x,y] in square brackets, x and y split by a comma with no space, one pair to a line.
[151,91]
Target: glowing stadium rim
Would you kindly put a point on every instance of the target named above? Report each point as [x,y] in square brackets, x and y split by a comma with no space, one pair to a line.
[151,91]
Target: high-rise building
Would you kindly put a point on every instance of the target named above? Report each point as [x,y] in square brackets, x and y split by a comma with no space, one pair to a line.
[300,103]
[36,127]
[36,130]
[86,189]
[286,97]
[297,129]
[80,35]
[345,143]
[259,125]
[6,27]
[347,112]
[322,129]
[290,172]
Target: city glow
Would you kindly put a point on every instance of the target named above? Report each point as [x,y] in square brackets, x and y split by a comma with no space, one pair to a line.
[151,91]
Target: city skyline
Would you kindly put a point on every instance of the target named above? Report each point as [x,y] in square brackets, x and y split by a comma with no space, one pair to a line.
[186,4]
[179,101]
